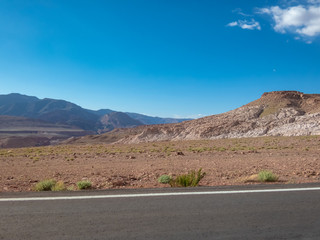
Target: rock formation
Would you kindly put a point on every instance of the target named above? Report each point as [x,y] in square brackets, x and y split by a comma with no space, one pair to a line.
[281,113]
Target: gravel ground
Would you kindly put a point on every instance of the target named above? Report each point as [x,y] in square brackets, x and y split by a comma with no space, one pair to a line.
[225,161]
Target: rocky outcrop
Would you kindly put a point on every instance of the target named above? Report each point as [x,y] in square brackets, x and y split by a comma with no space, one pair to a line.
[284,113]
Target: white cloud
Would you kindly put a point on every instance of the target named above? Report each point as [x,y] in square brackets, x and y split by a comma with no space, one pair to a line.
[302,20]
[233,24]
[245,24]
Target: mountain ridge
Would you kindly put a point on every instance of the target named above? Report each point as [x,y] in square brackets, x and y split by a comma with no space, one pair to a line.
[118,120]
[67,113]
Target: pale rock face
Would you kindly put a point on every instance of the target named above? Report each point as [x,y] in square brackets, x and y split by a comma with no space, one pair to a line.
[308,124]
[285,113]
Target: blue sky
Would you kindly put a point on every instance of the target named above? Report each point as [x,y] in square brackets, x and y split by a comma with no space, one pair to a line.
[162,58]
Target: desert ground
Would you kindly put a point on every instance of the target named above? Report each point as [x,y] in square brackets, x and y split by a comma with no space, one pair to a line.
[225,162]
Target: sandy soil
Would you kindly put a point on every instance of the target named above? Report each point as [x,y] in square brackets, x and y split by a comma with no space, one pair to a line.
[226,162]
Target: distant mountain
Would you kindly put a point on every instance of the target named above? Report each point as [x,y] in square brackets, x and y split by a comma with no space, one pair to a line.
[30,121]
[118,120]
[101,112]
[50,110]
[67,113]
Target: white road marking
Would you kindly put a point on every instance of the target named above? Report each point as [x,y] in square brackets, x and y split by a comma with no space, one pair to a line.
[158,194]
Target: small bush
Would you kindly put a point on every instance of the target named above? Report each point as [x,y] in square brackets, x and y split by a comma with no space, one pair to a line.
[165,179]
[191,179]
[84,184]
[45,185]
[59,186]
[267,176]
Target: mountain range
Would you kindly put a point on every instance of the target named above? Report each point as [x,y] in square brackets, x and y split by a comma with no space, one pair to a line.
[60,119]
[63,112]
[278,113]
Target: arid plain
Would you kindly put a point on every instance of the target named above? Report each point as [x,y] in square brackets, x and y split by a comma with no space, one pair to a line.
[225,161]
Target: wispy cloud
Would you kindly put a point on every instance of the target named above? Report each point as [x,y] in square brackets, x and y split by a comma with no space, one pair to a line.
[240,12]
[245,24]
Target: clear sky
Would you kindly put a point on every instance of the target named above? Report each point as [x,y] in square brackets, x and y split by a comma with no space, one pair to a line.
[168,58]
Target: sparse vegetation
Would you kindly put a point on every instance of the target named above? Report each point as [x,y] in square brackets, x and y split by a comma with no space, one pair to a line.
[252,178]
[50,185]
[59,186]
[199,149]
[45,185]
[267,176]
[221,149]
[84,184]
[191,179]
[165,179]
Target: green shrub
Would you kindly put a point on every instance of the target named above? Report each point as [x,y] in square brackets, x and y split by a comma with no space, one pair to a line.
[191,179]
[165,179]
[45,185]
[267,176]
[84,184]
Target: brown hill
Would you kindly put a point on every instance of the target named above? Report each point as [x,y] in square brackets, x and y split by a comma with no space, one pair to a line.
[274,101]
[281,113]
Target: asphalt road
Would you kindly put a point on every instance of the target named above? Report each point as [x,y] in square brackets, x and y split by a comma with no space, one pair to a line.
[251,215]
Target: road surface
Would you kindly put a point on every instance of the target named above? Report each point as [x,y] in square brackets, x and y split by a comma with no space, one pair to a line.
[201,213]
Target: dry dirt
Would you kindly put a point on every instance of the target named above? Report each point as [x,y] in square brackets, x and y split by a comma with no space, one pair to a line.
[225,161]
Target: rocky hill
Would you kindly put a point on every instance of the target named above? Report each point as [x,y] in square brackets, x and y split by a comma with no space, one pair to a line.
[281,113]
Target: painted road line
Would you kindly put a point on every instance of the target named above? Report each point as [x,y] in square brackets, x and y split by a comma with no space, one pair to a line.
[157,194]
